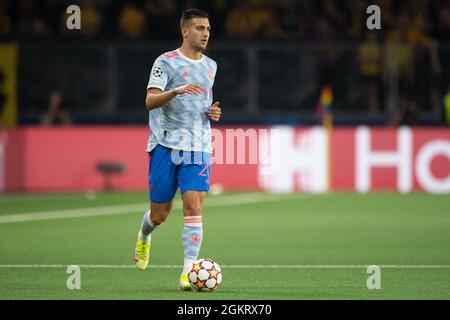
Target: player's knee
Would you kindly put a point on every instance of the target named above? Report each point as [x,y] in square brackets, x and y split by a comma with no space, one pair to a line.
[192,210]
[158,219]
[159,216]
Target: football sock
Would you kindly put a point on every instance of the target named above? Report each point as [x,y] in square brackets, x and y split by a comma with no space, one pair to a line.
[188,263]
[146,227]
[192,240]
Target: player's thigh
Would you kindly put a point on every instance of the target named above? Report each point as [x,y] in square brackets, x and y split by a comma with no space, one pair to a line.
[193,180]
[162,178]
[194,175]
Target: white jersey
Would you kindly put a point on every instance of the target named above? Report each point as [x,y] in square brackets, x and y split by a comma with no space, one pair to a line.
[182,123]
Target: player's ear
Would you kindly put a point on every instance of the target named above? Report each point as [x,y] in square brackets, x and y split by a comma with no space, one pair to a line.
[184,31]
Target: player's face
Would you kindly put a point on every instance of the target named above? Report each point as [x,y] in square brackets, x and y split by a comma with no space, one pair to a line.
[198,33]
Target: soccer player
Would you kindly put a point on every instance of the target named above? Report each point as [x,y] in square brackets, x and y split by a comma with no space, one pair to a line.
[179,100]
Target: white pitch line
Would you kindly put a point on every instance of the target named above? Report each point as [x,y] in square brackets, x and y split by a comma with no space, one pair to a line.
[232,200]
[74,213]
[332,266]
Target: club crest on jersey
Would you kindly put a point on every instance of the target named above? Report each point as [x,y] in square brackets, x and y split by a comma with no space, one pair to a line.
[157,72]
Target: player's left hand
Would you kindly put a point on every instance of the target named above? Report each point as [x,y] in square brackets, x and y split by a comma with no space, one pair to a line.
[214,112]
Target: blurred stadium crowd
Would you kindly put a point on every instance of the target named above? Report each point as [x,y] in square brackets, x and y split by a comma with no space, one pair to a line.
[419,20]
[397,75]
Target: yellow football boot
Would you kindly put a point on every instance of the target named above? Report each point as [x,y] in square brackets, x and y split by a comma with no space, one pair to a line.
[184,283]
[141,254]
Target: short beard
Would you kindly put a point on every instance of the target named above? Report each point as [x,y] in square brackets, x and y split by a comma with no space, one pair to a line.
[197,48]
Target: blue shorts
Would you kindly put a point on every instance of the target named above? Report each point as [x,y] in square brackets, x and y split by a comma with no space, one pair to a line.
[170,169]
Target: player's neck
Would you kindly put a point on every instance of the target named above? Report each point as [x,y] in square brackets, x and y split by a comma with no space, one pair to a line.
[190,53]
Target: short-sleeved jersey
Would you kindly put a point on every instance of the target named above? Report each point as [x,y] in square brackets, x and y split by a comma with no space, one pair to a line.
[182,123]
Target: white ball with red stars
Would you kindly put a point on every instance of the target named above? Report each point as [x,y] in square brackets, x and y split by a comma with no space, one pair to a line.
[205,275]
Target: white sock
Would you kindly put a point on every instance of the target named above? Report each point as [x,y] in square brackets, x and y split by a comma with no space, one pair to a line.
[187,266]
[145,238]
[146,227]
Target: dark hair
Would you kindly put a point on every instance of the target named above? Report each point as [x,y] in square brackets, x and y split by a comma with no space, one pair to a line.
[192,13]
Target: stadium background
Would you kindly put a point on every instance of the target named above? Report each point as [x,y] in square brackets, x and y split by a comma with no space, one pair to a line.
[292,63]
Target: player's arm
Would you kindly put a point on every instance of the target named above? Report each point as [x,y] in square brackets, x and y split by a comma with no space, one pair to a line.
[157,98]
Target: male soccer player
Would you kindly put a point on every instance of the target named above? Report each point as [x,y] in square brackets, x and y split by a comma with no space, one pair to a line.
[179,100]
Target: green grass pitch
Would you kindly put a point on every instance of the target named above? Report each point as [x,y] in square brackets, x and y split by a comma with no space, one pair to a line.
[295,246]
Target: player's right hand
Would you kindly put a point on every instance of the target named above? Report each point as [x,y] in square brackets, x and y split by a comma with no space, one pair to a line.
[189,88]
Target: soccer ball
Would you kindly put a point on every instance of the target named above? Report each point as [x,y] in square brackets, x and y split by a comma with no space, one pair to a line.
[205,275]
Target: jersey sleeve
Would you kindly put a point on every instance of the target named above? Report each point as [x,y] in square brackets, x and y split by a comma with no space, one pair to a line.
[159,76]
